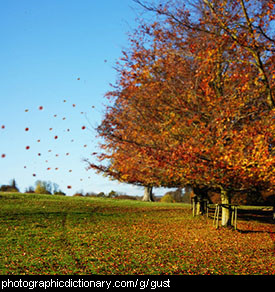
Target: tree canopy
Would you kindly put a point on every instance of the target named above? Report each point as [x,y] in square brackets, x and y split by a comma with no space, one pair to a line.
[194,102]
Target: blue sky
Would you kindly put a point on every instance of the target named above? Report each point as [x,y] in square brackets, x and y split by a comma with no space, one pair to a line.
[54,51]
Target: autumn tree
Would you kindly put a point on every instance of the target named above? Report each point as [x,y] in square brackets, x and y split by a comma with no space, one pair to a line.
[194,102]
[47,187]
[12,187]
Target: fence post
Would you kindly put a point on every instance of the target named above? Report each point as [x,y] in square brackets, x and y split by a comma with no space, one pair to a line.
[233,215]
[236,210]
[218,215]
[194,207]
[215,214]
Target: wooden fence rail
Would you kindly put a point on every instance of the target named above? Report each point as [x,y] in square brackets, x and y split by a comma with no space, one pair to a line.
[204,207]
[234,214]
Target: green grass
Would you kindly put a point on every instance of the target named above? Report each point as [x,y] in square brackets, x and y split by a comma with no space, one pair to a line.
[42,234]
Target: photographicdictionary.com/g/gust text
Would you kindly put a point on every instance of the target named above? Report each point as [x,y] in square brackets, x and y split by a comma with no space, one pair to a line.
[45,284]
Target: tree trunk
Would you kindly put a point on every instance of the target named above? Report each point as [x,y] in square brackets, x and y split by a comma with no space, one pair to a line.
[198,208]
[201,194]
[148,194]
[226,209]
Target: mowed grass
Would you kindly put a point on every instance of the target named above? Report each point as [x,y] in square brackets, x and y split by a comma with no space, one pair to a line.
[42,234]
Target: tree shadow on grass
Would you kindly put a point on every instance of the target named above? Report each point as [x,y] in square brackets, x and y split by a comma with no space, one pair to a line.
[271,233]
[262,216]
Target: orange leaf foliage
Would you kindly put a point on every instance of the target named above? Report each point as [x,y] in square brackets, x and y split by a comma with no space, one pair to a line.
[194,102]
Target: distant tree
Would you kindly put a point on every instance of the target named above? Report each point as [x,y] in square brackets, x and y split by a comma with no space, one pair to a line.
[13,184]
[112,194]
[43,187]
[78,195]
[55,188]
[12,187]
[167,198]
[90,194]
[188,193]
[176,196]
[29,190]
[59,193]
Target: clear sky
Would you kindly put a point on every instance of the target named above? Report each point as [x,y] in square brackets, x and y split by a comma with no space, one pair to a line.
[57,59]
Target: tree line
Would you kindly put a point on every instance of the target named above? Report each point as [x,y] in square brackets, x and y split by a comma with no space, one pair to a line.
[40,187]
[194,102]
[52,188]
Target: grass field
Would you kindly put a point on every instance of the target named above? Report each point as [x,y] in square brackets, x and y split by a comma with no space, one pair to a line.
[41,234]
